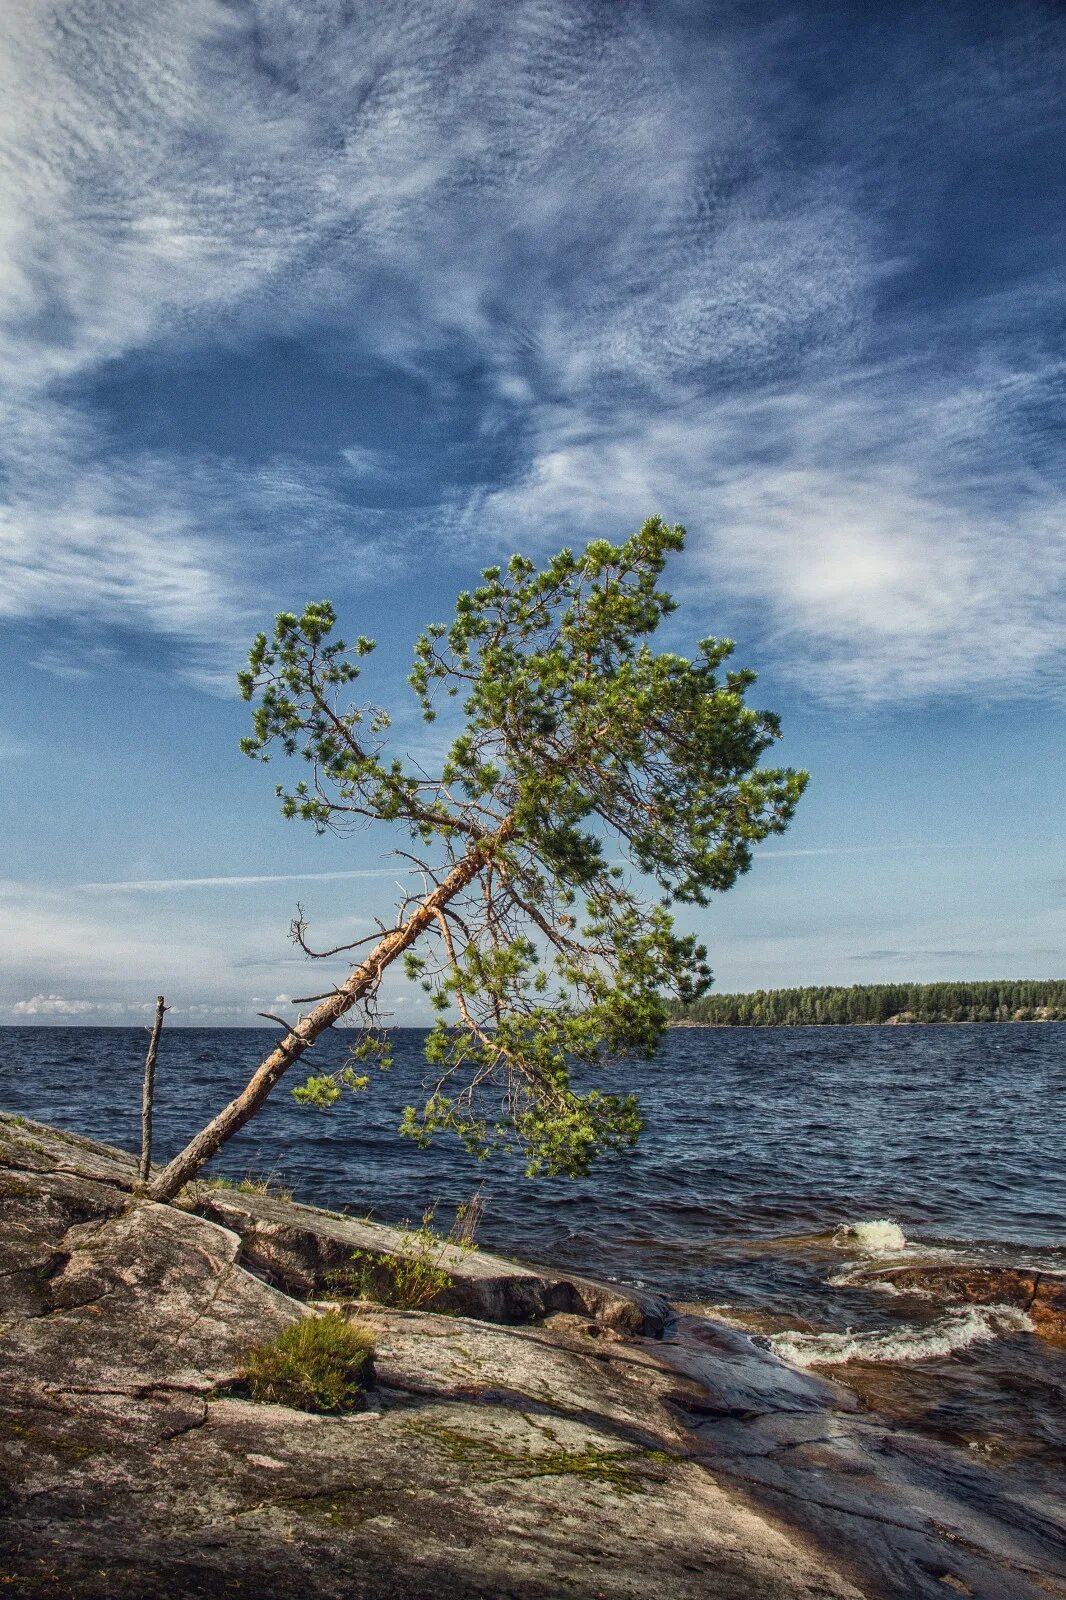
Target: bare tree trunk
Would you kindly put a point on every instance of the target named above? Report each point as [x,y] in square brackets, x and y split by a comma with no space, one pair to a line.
[148,1091]
[360,981]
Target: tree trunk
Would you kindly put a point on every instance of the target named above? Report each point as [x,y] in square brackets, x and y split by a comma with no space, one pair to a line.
[360,981]
[148,1091]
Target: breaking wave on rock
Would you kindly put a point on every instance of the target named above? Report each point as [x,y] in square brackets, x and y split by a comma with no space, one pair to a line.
[879,1237]
[954,1331]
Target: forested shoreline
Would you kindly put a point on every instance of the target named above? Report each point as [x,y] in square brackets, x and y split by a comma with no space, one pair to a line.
[873,1004]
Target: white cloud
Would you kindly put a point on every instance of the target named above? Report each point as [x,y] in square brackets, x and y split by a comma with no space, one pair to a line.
[167,885]
[123,1013]
[57,943]
[54,1005]
[366,462]
[86,546]
[200,1011]
[185,550]
[169,169]
[57,1005]
[856,520]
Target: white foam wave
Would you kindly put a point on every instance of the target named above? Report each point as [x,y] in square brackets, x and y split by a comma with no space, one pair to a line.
[954,1331]
[856,1278]
[857,1274]
[876,1238]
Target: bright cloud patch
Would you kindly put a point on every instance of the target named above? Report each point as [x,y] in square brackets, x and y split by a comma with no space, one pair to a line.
[881,568]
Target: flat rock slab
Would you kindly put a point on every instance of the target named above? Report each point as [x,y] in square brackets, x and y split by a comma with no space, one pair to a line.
[301,1249]
[493,1460]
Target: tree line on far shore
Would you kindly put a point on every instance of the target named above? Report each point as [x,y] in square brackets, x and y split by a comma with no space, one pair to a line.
[871,1003]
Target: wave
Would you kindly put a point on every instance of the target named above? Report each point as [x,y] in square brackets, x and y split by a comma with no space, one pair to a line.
[954,1331]
[879,1237]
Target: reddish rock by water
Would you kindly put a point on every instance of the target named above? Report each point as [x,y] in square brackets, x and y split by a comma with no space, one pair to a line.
[1042,1295]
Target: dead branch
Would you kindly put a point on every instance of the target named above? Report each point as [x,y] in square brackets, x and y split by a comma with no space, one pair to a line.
[148,1091]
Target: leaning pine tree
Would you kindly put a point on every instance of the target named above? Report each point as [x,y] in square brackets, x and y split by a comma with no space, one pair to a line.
[580,746]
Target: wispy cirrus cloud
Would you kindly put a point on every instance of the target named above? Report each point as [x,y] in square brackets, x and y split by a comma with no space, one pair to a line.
[859,518]
[640,248]
[413,179]
[168,885]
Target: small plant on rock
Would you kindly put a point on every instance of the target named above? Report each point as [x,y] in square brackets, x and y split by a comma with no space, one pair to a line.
[267,1184]
[409,1279]
[323,1364]
[468,1214]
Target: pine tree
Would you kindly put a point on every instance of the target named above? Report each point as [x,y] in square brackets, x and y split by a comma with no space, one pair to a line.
[579,743]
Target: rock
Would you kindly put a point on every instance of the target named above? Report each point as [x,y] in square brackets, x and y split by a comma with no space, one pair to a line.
[35,1147]
[494,1459]
[1041,1294]
[301,1249]
[1048,1308]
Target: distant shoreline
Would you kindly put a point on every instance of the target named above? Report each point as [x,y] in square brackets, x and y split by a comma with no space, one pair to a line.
[889,1022]
[879,1005]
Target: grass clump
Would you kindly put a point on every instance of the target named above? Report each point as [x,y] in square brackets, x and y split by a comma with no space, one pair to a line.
[410,1279]
[251,1184]
[323,1364]
[412,1276]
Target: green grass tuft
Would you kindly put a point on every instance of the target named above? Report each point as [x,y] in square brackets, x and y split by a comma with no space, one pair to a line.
[250,1184]
[323,1364]
[412,1277]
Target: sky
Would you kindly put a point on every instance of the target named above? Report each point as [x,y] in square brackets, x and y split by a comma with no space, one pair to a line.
[347,298]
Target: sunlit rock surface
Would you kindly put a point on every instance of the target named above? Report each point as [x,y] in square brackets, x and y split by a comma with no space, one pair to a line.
[301,1249]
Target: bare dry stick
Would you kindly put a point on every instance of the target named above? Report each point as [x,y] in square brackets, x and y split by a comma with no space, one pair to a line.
[148,1091]
[360,981]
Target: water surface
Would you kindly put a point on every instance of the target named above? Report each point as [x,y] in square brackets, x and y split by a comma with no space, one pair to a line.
[751,1133]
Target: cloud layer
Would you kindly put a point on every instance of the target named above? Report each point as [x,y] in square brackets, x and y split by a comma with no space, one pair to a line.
[663,258]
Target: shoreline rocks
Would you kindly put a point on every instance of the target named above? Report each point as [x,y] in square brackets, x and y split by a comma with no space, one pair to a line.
[531,1460]
[301,1249]
[1041,1295]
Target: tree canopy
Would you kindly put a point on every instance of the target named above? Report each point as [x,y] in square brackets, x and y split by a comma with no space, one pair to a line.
[592,781]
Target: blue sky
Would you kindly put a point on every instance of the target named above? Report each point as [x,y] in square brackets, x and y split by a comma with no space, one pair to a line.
[346,300]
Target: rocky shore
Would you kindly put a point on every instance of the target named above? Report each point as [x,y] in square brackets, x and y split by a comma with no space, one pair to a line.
[535,1434]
